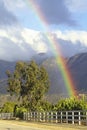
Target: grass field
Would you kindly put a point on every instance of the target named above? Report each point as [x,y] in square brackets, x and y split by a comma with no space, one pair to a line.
[46,126]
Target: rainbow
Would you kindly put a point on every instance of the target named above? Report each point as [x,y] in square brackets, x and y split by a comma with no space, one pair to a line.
[69,83]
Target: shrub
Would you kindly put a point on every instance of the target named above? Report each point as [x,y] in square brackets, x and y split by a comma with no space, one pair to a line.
[8,107]
[70,104]
[19,112]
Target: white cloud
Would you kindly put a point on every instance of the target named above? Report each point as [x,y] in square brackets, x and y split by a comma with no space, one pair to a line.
[34,38]
[22,43]
[73,36]
[12,45]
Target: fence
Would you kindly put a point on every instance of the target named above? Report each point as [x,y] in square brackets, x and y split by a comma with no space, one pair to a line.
[6,116]
[73,117]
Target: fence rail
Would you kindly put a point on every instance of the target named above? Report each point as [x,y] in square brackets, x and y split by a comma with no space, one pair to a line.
[6,116]
[73,117]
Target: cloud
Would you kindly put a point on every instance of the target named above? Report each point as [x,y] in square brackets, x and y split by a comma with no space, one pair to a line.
[13,46]
[6,17]
[22,44]
[11,52]
[74,5]
[74,36]
[69,49]
[71,42]
[35,39]
[13,5]
[55,12]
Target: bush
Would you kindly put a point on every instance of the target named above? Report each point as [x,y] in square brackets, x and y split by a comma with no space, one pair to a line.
[19,112]
[44,106]
[8,107]
[70,104]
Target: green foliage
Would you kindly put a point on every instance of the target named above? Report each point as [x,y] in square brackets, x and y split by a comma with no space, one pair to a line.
[0,110]
[70,104]
[29,82]
[8,107]
[19,111]
[44,106]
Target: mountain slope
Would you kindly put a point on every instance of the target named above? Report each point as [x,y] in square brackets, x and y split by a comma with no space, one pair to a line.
[77,65]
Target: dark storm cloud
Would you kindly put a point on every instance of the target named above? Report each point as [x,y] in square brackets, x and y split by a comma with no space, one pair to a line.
[56,12]
[6,17]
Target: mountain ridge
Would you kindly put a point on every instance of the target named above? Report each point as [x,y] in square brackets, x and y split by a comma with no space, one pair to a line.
[76,64]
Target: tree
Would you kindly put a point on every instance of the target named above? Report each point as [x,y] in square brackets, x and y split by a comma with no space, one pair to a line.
[70,104]
[29,82]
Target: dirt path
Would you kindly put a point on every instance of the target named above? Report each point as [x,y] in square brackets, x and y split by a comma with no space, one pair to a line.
[21,125]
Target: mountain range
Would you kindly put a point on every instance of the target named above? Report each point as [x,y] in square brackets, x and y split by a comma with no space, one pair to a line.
[76,64]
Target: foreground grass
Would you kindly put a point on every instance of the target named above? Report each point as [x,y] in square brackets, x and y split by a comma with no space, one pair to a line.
[46,126]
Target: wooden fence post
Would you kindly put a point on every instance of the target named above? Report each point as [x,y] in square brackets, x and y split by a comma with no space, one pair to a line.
[86,117]
[37,116]
[24,116]
[51,116]
[56,118]
[47,117]
[28,117]
[79,118]
[40,116]
[61,117]
[72,117]
[66,117]
[34,116]
[44,116]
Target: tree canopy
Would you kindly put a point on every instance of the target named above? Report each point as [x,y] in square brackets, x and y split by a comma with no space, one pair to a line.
[70,104]
[29,82]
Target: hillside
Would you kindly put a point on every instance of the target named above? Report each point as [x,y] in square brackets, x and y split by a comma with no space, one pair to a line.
[77,65]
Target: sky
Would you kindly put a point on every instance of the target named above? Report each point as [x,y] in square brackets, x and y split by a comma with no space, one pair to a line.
[23,24]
